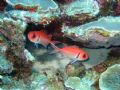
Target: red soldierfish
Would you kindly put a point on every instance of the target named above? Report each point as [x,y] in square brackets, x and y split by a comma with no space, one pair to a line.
[73,52]
[39,37]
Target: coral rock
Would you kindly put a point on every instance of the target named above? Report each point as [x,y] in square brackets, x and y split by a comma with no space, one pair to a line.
[78,6]
[5,65]
[117,8]
[84,83]
[2,5]
[38,82]
[34,17]
[101,33]
[77,69]
[110,79]
[44,5]
[73,82]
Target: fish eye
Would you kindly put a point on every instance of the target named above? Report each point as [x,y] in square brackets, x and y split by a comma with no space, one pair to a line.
[84,55]
[33,36]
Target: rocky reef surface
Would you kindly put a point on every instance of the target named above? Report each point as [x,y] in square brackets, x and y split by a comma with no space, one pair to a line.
[110,79]
[101,33]
[92,25]
[79,6]
[45,5]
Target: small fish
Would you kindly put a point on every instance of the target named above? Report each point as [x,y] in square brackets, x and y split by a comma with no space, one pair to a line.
[72,52]
[40,37]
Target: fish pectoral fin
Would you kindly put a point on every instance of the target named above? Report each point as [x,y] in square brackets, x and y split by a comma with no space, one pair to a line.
[36,45]
[73,61]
